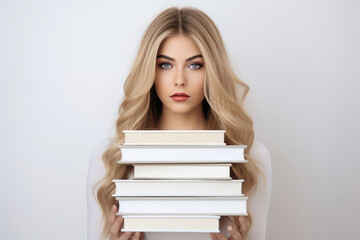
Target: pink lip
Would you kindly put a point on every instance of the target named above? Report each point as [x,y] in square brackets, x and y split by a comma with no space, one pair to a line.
[179,98]
[180,94]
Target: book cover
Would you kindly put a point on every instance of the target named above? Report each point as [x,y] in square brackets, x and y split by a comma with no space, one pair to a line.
[170,223]
[182,171]
[174,137]
[182,154]
[181,187]
[223,206]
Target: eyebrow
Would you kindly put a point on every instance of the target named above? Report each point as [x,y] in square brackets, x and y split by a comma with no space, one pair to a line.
[171,59]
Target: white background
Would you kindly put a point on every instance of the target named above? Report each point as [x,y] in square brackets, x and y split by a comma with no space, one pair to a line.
[62,69]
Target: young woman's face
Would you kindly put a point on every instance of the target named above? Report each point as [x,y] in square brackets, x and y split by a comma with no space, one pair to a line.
[180,70]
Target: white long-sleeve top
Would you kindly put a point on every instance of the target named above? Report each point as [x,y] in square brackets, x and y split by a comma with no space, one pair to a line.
[257,205]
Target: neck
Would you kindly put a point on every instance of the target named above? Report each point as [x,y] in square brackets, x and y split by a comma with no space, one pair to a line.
[194,120]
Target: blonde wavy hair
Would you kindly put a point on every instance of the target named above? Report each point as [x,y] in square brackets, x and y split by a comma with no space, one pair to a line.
[140,109]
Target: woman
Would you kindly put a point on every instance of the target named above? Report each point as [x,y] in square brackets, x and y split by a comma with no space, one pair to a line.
[182,52]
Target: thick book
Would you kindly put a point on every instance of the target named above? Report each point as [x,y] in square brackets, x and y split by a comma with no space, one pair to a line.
[170,223]
[182,154]
[182,171]
[193,137]
[223,206]
[183,187]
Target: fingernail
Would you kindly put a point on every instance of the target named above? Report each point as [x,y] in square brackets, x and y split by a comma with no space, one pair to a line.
[229,228]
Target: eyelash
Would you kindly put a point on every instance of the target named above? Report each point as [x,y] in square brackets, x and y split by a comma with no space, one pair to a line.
[195,63]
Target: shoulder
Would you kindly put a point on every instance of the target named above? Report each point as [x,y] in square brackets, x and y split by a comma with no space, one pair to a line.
[96,168]
[260,154]
[100,148]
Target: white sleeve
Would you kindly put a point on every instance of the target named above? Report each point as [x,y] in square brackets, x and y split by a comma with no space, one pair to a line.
[96,172]
[259,203]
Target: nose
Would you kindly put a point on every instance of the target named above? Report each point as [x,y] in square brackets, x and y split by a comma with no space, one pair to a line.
[180,78]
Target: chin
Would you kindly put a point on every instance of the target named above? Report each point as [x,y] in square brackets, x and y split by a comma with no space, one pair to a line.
[180,109]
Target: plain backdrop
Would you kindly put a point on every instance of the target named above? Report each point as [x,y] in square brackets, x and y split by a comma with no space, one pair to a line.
[62,69]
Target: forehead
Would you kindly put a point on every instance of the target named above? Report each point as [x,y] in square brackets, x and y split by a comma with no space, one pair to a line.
[178,46]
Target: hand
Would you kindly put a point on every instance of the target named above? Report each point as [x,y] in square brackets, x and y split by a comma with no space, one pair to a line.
[116,223]
[235,234]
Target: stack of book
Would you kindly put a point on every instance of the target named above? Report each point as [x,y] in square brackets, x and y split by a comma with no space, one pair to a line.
[181,181]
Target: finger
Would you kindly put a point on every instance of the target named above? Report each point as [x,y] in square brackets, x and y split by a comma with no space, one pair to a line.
[244,226]
[213,236]
[234,234]
[142,237]
[136,236]
[115,228]
[113,214]
[220,236]
[125,236]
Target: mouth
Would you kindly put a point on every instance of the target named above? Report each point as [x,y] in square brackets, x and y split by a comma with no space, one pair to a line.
[179,97]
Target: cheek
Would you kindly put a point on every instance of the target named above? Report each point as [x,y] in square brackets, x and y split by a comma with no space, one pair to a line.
[199,85]
[160,87]
[200,90]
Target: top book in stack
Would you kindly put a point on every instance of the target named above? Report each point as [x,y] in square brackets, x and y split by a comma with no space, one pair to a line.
[174,137]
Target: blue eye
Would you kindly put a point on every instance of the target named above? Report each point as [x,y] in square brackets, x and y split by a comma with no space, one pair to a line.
[197,65]
[164,64]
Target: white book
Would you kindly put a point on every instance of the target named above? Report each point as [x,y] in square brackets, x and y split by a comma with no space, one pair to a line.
[171,223]
[140,137]
[223,206]
[125,187]
[182,171]
[182,154]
